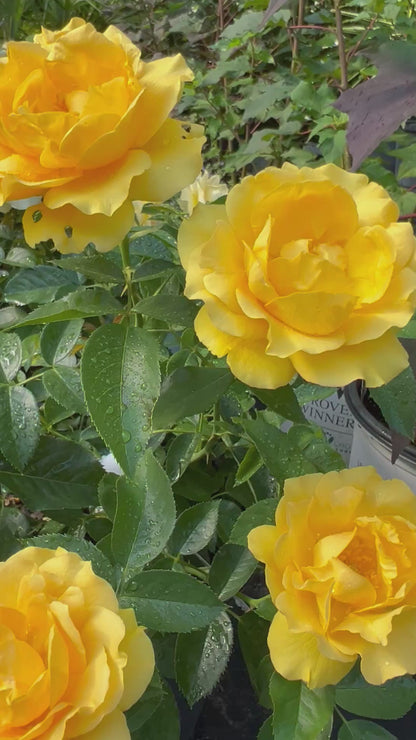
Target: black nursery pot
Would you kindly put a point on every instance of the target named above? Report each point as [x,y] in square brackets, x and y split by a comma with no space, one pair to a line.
[371,444]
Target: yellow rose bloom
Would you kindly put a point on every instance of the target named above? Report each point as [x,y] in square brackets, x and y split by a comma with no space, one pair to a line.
[84,123]
[71,661]
[302,271]
[341,570]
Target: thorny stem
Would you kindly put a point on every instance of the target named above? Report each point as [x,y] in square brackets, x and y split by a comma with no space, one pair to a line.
[343,67]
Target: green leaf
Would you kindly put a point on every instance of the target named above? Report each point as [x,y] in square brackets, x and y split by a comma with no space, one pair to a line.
[85,549]
[300,713]
[10,356]
[266,730]
[265,608]
[201,657]
[397,401]
[97,267]
[145,516]
[19,424]
[58,339]
[283,401]
[107,494]
[54,412]
[188,391]
[307,392]
[249,465]
[20,257]
[390,701]
[362,729]
[146,706]
[10,316]
[262,512]
[83,303]
[281,456]
[228,514]
[61,475]
[38,284]
[176,310]
[120,376]
[164,723]
[179,455]
[194,528]
[252,636]
[167,601]
[231,568]
[64,385]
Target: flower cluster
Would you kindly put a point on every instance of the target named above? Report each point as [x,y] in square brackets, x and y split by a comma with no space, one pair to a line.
[341,570]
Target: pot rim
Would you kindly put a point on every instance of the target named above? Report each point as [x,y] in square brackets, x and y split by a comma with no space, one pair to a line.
[374,427]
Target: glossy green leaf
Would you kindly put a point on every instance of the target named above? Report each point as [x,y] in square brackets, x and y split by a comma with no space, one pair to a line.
[188,391]
[265,608]
[82,303]
[228,514]
[177,310]
[19,424]
[64,385]
[363,729]
[163,723]
[194,528]
[262,512]
[20,257]
[39,284]
[300,713]
[85,549]
[201,657]
[120,376]
[97,267]
[167,601]
[390,701]
[230,569]
[10,356]
[61,475]
[58,339]
[53,412]
[145,516]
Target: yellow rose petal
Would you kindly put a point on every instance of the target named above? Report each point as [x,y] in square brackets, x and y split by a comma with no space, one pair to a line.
[376,361]
[112,727]
[261,541]
[71,230]
[249,363]
[296,657]
[379,663]
[175,151]
[138,647]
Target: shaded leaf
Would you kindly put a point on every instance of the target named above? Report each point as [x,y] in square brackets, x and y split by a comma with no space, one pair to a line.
[64,385]
[188,391]
[230,569]
[58,339]
[10,356]
[194,528]
[273,6]
[39,284]
[80,304]
[61,475]
[177,310]
[362,729]
[390,701]
[262,512]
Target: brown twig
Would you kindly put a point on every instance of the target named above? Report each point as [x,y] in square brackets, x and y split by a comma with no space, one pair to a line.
[343,65]
[301,14]
[306,27]
[407,216]
[363,36]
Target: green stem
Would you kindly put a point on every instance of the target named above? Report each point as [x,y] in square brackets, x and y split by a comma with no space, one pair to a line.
[128,275]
